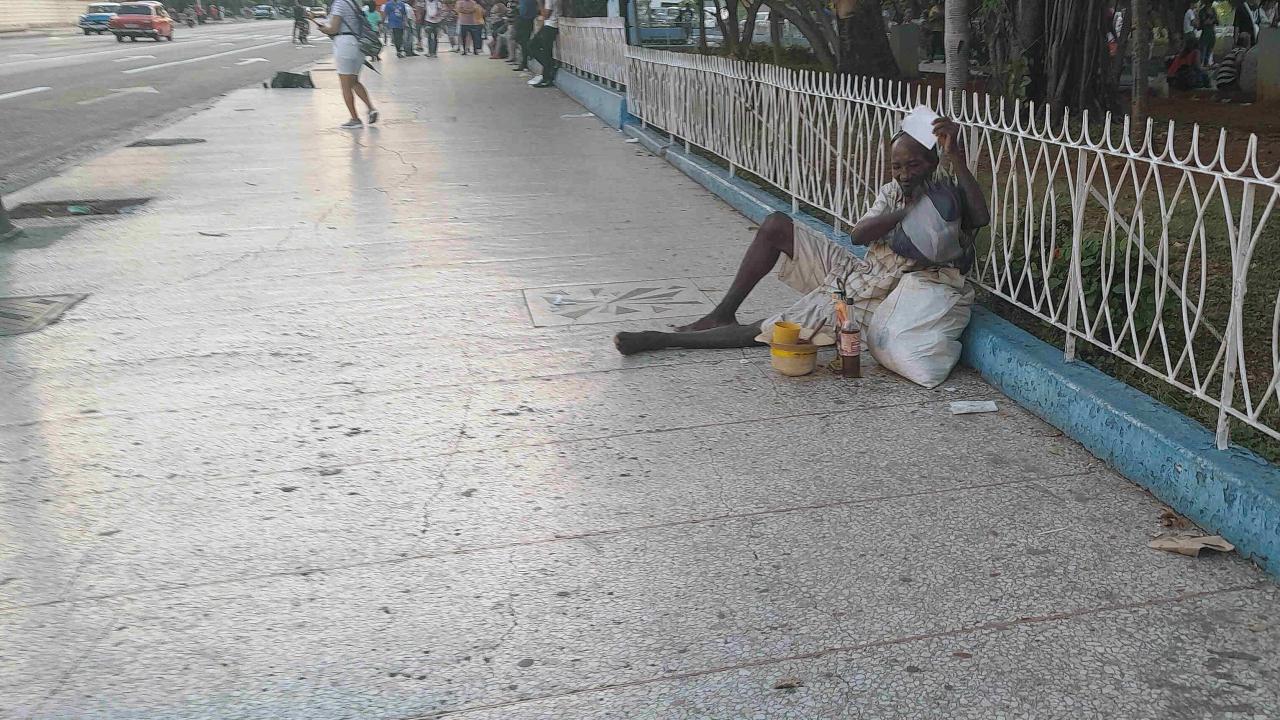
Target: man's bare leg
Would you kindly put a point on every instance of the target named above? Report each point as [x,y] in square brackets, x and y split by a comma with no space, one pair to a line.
[725,336]
[775,236]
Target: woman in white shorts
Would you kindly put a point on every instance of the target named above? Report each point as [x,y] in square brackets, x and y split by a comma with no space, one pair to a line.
[343,26]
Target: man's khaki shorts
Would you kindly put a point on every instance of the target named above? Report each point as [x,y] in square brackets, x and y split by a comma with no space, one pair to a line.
[819,265]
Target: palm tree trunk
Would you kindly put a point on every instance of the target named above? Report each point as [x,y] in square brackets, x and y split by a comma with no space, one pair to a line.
[957,43]
[1140,40]
[1031,41]
[775,35]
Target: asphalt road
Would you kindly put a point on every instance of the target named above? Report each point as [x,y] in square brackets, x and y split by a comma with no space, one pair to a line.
[66,96]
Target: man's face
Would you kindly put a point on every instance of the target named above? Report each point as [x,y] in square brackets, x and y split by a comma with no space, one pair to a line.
[910,164]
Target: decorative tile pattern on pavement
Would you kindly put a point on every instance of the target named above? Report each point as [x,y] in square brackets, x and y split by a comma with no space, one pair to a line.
[590,304]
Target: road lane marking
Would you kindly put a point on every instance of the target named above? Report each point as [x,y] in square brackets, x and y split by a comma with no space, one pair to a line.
[250,61]
[131,58]
[131,71]
[75,56]
[20,93]
[120,92]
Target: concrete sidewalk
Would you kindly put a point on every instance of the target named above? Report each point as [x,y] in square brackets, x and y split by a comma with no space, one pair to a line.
[339,433]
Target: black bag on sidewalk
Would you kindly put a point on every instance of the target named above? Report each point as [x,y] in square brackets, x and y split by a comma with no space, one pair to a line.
[292,80]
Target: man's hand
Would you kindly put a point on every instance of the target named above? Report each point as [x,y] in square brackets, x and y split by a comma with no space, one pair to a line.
[948,134]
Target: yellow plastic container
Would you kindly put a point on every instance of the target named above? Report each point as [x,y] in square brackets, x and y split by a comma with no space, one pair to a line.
[793,360]
[786,333]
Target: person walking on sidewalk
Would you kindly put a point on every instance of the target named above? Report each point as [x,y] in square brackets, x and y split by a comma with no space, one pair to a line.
[376,21]
[450,23]
[419,21]
[544,43]
[433,15]
[469,25]
[410,25]
[344,24]
[528,12]
[396,12]
[301,16]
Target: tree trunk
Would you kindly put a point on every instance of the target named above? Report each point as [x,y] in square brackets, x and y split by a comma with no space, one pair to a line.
[1140,39]
[728,30]
[809,27]
[957,44]
[748,30]
[775,35]
[1031,40]
[863,47]
[1076,61]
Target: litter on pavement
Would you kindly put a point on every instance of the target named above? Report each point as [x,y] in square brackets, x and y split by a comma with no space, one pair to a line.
[1190,545]
[968,407]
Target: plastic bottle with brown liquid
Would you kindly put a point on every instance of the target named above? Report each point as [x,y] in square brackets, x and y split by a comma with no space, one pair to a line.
[848,339]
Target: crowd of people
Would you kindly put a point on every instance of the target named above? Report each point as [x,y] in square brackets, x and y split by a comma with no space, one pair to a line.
[413,27]
[517,32]
[1198,65]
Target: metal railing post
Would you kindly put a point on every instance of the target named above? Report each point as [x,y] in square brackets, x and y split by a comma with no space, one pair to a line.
[1075,281]
[1239,277]
[795,152]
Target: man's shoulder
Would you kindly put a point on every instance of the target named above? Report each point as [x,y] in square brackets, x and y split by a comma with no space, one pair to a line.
[890,191]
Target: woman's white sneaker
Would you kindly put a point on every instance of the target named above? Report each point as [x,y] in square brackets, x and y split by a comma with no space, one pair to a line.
[534,80]
[352,124]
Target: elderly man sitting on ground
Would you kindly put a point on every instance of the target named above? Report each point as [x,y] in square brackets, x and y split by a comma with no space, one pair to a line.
[814,265]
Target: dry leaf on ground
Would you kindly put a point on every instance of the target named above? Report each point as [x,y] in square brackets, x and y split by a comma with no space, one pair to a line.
[1190,546]
[1171,519]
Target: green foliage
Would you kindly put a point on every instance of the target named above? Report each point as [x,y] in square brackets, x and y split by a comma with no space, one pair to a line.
[1093,251]
[588,8]
[795,57]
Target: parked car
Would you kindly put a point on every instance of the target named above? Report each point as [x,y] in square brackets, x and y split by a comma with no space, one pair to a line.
[264,12]
[141,19]
[96,18]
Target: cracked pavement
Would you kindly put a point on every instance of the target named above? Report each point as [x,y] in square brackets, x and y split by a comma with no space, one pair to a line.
[304,453]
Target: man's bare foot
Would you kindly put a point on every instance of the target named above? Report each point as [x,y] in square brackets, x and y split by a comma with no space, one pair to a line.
[707,323]
[630,343]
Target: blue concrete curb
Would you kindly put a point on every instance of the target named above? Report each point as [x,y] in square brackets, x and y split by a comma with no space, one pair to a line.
[607,104]
[1234,493]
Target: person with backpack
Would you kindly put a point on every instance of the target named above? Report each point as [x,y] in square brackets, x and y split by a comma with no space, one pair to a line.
[346,25]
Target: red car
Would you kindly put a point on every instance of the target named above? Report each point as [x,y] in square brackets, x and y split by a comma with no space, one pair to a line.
[141,19]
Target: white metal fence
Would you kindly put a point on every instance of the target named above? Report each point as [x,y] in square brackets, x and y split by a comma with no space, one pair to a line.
[1144,248]
[595,47]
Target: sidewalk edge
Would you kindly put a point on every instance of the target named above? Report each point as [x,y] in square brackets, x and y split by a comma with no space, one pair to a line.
[605,103]
[1234,492]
